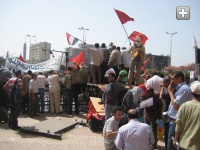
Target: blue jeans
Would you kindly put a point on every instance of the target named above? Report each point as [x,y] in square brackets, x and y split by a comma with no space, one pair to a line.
[41,93]
[108,111]
[171,134]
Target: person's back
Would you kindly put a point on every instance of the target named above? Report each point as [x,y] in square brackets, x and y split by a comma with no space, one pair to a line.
[41,79]
[189,125]
[154,82]
[134,135]
[137,132]
[26,79]
[53,81]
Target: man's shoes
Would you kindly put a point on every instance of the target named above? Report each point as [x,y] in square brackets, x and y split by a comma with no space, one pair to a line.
[42,111]
[36,115]
[31,116]
[16,128]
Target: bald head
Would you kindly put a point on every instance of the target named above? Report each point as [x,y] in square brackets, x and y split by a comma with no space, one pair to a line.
[132,114]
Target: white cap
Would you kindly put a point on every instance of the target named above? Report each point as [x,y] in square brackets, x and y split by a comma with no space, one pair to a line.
[195,88]
[138,39]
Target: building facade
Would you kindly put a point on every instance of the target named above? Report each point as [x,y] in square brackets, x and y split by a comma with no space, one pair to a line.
[157,62]
[39,52]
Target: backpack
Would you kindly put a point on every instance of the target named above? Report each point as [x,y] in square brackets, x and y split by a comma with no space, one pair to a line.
[138,54]
[15,93]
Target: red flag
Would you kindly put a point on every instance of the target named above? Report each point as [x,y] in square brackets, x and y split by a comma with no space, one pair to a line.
[77,59]
[123,17]
[141,35]
[21,59]
[146,61]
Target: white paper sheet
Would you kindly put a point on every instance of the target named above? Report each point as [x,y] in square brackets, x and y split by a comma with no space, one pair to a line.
[146,103]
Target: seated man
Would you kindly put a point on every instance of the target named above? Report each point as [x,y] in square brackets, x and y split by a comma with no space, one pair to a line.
[110,129]
[123,76]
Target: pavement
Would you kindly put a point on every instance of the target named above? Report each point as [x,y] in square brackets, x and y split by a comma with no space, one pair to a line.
[79,138]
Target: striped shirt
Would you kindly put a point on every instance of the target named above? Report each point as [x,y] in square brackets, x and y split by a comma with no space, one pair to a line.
[106,54]
[183,94]
[112,90]
[111,125]
[9,84]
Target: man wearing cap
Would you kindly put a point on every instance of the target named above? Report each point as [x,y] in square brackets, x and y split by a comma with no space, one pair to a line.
[181,95]
[138,56]
[15,103]
[187,121]
[110,95]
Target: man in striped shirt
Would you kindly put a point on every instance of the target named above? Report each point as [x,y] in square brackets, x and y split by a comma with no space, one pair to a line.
[182,94]
[110,129]
[15,106]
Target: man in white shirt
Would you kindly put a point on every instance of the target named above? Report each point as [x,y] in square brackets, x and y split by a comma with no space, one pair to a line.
[134,135]
[126,58]
[41,80]
[54,92]
[33,103]
[96,60]
[155,82]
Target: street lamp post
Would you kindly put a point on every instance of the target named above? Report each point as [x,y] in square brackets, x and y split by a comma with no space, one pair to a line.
[169,60]
[84,35]
[30,36]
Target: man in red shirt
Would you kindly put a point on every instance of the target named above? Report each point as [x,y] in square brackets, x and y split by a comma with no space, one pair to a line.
[15,102]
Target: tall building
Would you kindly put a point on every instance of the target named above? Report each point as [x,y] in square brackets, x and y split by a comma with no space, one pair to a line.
[39,52]
[24,51]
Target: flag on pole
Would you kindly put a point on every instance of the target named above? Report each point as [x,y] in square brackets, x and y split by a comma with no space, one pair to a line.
[194,43]
[21,58]
[146,61]
[71,39]
[77,59]
[123,17]
[135,34]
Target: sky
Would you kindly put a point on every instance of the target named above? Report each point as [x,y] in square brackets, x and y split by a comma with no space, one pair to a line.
[49,20]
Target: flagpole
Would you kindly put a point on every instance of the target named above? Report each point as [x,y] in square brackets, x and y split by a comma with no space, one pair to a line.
[126,33]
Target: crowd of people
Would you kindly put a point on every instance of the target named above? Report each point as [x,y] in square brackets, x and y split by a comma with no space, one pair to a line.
[174,102]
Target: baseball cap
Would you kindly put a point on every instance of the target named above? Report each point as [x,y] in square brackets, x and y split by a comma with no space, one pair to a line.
[195,88]
[143,87]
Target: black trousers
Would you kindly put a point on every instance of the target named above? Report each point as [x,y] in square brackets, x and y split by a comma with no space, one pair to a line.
[25,103]
[14,113]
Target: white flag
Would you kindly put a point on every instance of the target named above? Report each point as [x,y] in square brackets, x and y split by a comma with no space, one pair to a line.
[194,43]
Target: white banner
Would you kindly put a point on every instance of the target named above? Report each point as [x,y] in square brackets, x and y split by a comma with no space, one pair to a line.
[14,63]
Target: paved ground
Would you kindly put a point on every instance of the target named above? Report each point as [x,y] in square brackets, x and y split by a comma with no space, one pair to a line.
[80,138]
